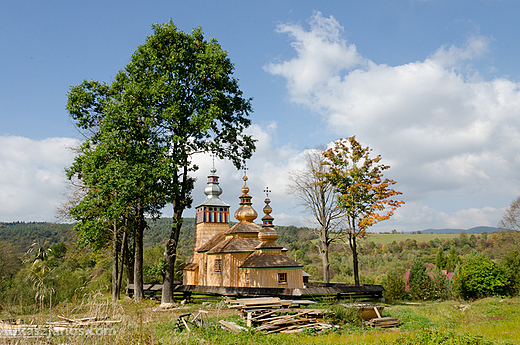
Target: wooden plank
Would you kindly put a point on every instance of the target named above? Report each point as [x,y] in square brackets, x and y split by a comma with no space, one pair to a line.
[233,327]
[377,312]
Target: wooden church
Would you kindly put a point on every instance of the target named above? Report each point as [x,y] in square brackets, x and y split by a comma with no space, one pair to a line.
[245,255]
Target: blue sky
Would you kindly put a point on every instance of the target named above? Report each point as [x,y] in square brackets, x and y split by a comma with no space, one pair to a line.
[432,86]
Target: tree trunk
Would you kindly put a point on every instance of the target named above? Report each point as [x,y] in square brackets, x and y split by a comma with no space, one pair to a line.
[353,247]
[324,252]
[138,256]
[115,265]
[129,262]
[170,252]
[170,256]
[122,263]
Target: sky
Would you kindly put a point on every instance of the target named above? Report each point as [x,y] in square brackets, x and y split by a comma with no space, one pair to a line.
[432,86]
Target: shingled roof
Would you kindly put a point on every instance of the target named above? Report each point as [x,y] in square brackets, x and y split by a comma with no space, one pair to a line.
[235,245]
[244,228]
[265,260]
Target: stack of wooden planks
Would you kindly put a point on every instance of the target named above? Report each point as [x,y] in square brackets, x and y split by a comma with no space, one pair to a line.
[273,315]
[372,315]
[383,322]
[89,325]
[66,323]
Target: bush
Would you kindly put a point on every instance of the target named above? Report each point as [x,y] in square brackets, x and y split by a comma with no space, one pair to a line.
[441,286]
[511,262]
[395,286]
[342,315]
[479,277]
[419,281]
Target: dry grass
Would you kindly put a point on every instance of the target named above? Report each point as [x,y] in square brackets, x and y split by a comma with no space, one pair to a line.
[494,319]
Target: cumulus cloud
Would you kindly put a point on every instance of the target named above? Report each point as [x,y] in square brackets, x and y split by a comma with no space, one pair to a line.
[444,130]
[32,177]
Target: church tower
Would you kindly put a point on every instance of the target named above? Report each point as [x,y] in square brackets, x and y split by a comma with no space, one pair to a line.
[212,215]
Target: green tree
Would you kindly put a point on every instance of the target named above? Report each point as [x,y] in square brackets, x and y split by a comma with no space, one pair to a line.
[123,170]
[175,98]
[440,259]
[479,277]
[395,285]
[419,282]
[441,285]
[511,262]
[363,195]
[452,260]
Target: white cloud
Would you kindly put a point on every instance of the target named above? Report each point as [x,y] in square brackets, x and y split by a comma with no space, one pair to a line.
[446,132]
[31,177]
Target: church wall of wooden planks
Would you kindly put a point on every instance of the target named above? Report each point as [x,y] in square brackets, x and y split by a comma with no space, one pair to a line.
[245,255]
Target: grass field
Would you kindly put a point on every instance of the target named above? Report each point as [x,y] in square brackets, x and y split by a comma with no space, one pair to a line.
[488,321]
[389,238]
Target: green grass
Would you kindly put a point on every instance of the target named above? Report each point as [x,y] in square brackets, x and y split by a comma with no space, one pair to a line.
[389,238]
[485,322]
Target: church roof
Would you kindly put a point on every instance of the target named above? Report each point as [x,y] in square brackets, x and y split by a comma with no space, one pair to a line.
[266,260]
[235,245]
[191,266]
[244,228]
[212,242]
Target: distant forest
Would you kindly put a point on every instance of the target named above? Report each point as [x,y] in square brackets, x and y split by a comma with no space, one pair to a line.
[22,235]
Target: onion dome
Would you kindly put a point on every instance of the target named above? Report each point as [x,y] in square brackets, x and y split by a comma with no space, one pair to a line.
[212,210]
[245,213]
[268,234]
[213,191]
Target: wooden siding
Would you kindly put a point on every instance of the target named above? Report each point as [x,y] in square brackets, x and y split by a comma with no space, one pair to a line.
[229,274]
[205,231]
[268,278]
[191,277]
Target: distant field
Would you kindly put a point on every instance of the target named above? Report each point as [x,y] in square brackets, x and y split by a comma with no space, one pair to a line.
[389,238]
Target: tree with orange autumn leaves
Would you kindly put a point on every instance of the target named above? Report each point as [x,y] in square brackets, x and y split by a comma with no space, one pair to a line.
[364,195]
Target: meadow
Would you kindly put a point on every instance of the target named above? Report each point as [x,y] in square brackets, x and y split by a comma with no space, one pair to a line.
[487,321]
[389,238]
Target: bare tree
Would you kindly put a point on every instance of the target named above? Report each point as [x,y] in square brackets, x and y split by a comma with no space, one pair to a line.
[319,199]
[510,222]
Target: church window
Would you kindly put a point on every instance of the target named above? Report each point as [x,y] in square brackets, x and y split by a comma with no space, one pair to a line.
[218,265]
[247,277]
[282,278]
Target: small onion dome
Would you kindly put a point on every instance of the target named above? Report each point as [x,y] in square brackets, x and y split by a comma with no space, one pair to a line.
[245,212]
[212,189]
[268,233]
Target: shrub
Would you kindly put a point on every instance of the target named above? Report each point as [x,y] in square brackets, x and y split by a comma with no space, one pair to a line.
[479,277]
[342,315]
[419,281]
[441,286]
[394,284]
[511,262]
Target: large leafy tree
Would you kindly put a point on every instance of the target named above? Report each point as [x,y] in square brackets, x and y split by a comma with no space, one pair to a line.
[318,197]
[123,169]
[363,194]
[177,97]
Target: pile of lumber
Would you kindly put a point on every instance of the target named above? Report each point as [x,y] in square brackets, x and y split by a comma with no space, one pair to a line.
[372,315]
[89,325]
[67,323]
[383,322]
[273,315]
[366,311]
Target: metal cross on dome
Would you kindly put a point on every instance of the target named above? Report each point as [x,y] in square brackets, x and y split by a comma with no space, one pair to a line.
[267,191]
[245,170]
[213,157]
